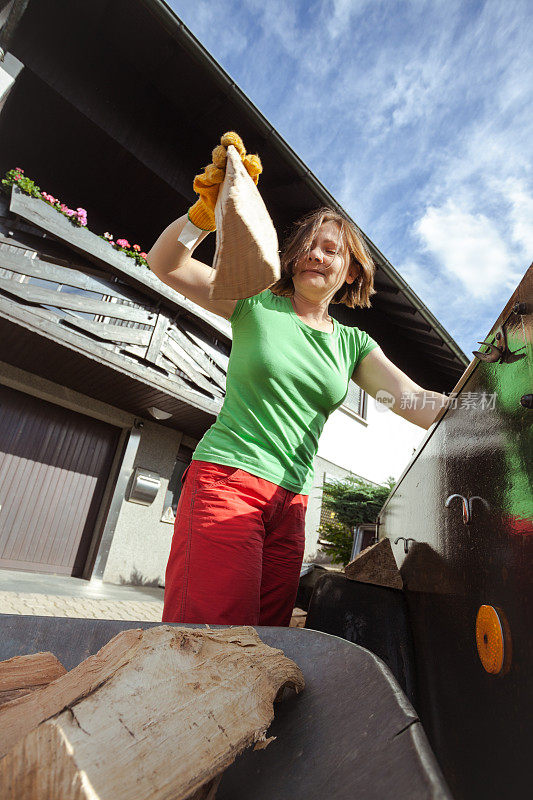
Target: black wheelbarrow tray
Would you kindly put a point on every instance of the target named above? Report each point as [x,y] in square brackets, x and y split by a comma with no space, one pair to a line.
[350,734]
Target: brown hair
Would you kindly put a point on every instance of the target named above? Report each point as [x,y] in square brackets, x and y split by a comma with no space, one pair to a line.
[299,242]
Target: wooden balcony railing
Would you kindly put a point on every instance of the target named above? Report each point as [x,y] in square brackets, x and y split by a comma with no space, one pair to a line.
[111,303]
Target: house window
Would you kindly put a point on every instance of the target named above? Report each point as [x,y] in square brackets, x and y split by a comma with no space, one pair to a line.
[355,400]
[326,514]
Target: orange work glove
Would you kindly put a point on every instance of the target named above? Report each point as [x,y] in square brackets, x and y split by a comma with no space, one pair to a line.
[206,185]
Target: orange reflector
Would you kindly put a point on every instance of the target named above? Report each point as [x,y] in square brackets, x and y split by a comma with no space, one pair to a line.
[490,639]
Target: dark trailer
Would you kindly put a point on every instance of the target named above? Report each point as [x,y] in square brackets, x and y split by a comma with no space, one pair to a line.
[458,637]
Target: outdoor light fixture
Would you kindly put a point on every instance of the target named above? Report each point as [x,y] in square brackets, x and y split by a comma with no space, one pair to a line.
[158,413]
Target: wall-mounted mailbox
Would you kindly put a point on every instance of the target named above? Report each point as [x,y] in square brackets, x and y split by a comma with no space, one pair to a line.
[144,487]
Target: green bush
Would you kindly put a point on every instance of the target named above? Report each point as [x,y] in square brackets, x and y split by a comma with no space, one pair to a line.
[352,502]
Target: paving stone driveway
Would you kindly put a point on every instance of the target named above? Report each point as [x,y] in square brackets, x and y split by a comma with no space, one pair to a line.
[50,605]
[63,596]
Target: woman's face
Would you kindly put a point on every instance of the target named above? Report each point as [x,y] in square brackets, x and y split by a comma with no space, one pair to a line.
[319,273]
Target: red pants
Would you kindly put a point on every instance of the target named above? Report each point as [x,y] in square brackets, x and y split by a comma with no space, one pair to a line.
[237,549]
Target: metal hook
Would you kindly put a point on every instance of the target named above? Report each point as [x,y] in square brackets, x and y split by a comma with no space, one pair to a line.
[405,542]
[465,504]
[498,350]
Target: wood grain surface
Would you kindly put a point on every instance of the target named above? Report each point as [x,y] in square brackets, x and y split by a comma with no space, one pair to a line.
[158,713]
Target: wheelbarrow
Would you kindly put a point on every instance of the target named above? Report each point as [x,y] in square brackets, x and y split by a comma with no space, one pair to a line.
[351,732]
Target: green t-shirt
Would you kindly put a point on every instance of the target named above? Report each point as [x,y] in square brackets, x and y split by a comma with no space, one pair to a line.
[284,380]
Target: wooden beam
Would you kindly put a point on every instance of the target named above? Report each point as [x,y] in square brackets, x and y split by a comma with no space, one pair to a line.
[37,267]
[75,302]
[197,354]
[170,350]
[423,338]
[220,358]
[409,324]
[158,335]
[391,305]
[386,289]
[118,334]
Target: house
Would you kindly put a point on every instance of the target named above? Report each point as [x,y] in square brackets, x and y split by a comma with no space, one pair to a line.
[108,378]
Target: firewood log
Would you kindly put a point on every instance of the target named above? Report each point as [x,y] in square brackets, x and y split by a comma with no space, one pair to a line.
[159,713]
[375,564]
[24,674]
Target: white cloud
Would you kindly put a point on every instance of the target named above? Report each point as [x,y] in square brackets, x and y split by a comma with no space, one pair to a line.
[520,216]
[341,13]
[469,248]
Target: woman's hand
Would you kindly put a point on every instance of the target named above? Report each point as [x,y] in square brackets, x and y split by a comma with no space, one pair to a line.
[206,185]
[384,381]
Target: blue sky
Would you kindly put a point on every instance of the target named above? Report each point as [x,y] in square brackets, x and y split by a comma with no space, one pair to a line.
[415,115]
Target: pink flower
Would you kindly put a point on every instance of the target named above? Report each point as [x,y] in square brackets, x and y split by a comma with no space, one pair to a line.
[136,247]
[143,255]
[18,169]
[17,177]
[123,243]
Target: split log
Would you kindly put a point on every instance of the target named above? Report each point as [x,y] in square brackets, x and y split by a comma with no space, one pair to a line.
[298,618]
[159,713]
[375,564]
[24,674]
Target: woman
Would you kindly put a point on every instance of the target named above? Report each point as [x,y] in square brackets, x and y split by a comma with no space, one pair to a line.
[240,523]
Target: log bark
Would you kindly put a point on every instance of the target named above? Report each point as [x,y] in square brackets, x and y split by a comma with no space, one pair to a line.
[159,713]
[24,674]
[375,564]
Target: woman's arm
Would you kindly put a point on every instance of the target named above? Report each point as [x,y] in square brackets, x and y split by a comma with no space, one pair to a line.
[172,262]
[376,374]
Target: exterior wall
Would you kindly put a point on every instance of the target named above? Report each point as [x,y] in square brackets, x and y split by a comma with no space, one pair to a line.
[141,543]
[374,449]
[377,448]
[9,70]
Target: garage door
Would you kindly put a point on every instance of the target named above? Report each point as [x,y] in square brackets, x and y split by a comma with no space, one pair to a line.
[54,464]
